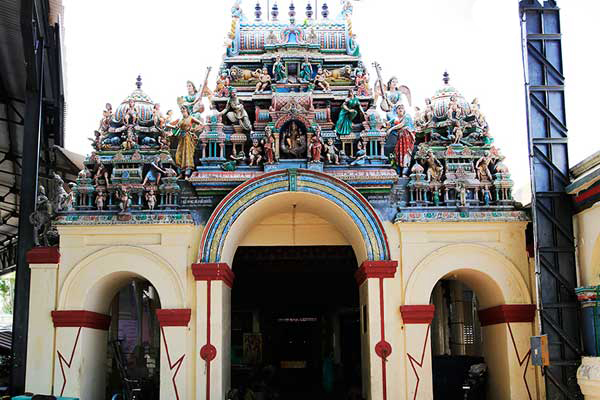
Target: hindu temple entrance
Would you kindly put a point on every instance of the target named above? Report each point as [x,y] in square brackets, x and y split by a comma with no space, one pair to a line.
[295,322]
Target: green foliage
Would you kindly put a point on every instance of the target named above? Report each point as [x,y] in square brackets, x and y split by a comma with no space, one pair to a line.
[7,286]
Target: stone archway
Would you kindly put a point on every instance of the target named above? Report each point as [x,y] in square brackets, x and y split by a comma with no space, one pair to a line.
[323,195]
[81,321]
[372,244]
[506,314]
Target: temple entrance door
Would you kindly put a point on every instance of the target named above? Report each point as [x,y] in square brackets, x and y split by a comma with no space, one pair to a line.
[134,343]
[295,322]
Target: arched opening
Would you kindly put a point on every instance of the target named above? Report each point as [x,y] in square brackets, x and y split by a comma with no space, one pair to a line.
[133,357]
[485,280]
[457,354]
[93,285]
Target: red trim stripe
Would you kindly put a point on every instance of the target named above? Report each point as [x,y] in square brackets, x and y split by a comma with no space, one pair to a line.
[174,317]
[507,313]
[80,319]
[417,314]
[213,272]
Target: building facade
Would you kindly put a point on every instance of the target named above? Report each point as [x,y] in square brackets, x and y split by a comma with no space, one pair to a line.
[305,228]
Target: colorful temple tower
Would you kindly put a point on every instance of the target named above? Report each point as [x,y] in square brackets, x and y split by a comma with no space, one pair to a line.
[300,164]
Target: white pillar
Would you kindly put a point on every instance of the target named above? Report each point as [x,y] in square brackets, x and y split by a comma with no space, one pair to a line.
[43,262]
[174,359]
[417,328]
[80,357]
[213,330]
[375,346]
[588,377]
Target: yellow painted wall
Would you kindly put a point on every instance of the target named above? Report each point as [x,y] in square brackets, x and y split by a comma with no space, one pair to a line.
[587,228]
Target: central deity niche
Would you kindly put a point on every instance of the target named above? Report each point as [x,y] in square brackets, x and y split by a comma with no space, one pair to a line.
[293,142]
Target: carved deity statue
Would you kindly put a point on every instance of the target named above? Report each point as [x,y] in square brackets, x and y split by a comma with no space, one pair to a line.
[269,145]
[361,83]
[100,199]
[305,71]
[294,141]
[403,126]
[279,70]
[41,218]
[264,80]
[315,147]
[435,169]
[131,113]
[482,167]
[454,110]
[361,154]
[151,199]
[457,134]
[255,153]
[124,198]
[332,153]
[321,81]
[235,112]
[350,109]
[186,129]
[223,82]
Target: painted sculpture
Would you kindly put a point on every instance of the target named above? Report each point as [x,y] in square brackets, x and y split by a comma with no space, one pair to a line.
[292,96]
[350,110]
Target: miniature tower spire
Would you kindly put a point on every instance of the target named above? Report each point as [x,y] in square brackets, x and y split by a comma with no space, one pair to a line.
[309,10]
[275,11]
[258,11]
[292,12]
[138,81]
[446,78]
[325,10]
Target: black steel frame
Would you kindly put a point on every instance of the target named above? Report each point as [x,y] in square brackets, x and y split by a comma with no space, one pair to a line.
[43,124]
[555,266]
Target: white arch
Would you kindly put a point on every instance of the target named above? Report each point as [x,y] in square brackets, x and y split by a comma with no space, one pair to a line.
[494,278]
[94,281]
[282,202]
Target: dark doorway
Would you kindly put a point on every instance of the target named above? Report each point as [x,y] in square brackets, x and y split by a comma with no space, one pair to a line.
[134,343]
[295,322]
[459,370]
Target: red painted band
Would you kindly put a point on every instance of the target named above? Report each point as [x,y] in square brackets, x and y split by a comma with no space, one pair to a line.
[43,255]
[80,319]
[175,317]
[375,269]
[213,272]
[586,194]
[417,314]
[507,313]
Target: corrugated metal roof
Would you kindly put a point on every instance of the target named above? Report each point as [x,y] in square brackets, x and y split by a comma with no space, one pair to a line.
[12,108]
[5,340]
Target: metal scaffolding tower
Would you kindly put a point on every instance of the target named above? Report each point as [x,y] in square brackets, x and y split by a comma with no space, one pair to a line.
[556,275]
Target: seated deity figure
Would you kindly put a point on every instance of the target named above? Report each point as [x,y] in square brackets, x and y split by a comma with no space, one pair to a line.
[255,153]
[305,70]
[264,80]
[361,82]
[107,116]
[454,109]
[294,142]
[321,81]
[235,112]
[131,114]
[350,109]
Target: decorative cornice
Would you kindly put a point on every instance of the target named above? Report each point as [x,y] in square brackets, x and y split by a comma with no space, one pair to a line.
[213,272]
[408,215]
[174,317]
[417,314]
[507,313]
[43,255]
[80,319]
[136,218]
[376,269]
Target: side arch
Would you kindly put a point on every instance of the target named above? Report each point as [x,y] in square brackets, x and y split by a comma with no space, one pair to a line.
[494,278]
[342,195]
[93,282]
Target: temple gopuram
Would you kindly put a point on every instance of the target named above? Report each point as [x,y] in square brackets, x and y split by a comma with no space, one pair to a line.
[296,229]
